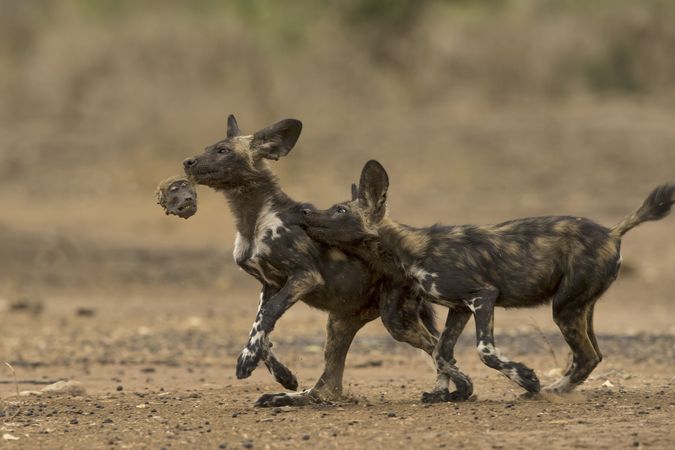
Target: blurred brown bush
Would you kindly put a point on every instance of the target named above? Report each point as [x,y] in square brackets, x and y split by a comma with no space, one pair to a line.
[107,96]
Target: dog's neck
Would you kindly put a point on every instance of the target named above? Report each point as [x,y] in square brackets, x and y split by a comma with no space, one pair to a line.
[401,245]
[247,201]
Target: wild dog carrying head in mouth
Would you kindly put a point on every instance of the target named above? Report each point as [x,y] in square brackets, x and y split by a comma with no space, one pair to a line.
[271,246]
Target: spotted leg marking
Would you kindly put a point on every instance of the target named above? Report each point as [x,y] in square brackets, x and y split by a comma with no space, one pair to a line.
[445,361]
[482,307]
[279,371]
[266,318]
[252,353]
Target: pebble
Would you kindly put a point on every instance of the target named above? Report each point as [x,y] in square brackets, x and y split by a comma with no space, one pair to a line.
[85,312]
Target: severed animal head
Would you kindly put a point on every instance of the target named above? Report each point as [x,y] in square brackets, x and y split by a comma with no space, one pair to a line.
[178,196]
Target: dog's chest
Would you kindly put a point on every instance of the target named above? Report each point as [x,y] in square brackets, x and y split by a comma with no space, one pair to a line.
[256,254]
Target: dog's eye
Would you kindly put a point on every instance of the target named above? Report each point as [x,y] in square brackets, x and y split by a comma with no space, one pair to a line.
[223,150]
[173,188]
[341,210]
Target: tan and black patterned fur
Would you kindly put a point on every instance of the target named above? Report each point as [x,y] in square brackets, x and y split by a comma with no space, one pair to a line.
[272,247]
[569,261]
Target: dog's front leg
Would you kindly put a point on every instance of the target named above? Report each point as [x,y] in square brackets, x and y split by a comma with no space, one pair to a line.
[444,357]
[269,312]
[279,371]
[482,305]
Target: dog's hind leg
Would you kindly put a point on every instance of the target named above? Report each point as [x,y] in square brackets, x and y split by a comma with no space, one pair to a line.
[444,357]
[340,333]
[482,306]
[590,332]
[573,319]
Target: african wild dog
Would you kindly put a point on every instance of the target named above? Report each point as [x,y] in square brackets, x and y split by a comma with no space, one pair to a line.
[471,269]
[177,196]
[271,246]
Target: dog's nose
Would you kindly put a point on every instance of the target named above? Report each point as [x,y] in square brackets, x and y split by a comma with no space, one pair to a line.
[189,162]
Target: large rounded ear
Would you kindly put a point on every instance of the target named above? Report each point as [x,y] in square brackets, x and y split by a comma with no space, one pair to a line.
[277,140]
[372,192]
[232,127]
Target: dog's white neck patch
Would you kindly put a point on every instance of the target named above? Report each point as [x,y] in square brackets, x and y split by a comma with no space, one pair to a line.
[241,246]
[268,225]
[268,219]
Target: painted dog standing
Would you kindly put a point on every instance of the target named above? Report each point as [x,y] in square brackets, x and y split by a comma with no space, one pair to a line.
[271,246]
[570,261]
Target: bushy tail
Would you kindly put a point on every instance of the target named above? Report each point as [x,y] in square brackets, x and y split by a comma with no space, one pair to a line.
[428,316]
[655,207]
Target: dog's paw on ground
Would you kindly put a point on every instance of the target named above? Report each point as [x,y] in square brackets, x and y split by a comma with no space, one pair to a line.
[444,396]
[284,399]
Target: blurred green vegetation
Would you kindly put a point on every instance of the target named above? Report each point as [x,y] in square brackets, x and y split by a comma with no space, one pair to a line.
[421,50]
[611,36]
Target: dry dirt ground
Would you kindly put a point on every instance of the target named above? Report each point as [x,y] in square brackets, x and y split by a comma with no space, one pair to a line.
[157,361]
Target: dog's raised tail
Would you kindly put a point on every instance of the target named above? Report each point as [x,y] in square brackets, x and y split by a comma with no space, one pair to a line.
[656,206]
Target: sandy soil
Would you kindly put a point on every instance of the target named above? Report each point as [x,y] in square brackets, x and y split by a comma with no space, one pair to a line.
[170,385]
[157,362]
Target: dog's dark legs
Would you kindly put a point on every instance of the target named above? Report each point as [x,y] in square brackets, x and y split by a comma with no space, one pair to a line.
[590,332]
[279,371]
[340,333]
[270,310]
[573,319]
[400,313]
[482,306]
[444,357]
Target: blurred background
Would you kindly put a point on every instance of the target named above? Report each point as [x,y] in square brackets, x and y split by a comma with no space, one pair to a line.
[481,110]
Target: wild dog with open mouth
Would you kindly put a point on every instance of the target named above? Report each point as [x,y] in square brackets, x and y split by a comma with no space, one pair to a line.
[271,246]
[471,269]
